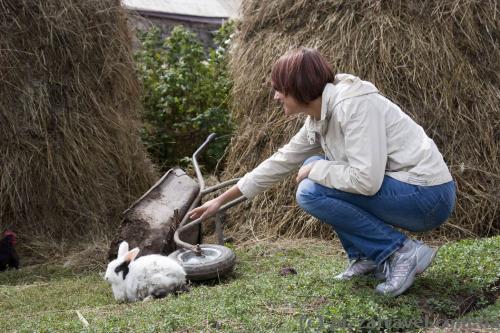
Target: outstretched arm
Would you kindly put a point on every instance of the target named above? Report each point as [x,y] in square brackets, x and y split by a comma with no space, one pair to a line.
[210,207]
[287,159]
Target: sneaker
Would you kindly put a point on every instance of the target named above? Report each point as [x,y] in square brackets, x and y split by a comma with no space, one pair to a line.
[401,268]
[357,267]
[379,273]
[426,257]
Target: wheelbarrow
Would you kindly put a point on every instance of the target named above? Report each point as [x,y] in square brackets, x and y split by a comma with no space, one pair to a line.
[205,261]
[158,220]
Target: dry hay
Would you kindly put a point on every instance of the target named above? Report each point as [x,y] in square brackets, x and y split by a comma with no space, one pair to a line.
[70,156]
[438,59]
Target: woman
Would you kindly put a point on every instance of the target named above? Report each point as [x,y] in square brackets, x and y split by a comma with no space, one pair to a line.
[366,168]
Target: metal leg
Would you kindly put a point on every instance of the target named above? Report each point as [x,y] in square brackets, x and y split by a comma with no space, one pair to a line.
[218,227]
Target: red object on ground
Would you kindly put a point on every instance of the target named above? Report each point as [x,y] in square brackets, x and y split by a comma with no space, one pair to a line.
[11,233]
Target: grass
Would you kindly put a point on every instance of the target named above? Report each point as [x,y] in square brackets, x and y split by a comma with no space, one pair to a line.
[255,298]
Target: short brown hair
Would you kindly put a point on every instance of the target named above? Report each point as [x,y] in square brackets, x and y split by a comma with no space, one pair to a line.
[302,73]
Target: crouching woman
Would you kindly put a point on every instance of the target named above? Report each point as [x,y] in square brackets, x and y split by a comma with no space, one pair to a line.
[365,168]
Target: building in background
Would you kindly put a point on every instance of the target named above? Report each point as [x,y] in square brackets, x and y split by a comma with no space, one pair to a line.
[201,16]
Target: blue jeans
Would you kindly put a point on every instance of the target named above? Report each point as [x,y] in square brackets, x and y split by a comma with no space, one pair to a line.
[364,224]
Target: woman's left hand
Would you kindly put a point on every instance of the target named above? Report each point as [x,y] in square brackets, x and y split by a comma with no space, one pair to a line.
[303,172]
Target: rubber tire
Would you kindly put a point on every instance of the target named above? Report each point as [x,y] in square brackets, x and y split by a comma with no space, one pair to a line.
[216,268]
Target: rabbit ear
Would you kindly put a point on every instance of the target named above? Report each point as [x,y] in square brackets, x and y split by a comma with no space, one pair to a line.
[123,249]
[131,254]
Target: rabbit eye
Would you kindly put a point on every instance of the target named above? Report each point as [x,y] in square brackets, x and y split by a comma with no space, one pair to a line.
[123,267]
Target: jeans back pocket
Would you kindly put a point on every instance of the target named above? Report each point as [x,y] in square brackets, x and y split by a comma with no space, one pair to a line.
[437,203]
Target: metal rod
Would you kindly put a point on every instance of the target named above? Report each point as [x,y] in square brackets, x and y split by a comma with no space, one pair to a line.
[201,182]
[219,186]
[191,224]
[218,228]
[181,227]
[184,225]
[232,203]
[196,202]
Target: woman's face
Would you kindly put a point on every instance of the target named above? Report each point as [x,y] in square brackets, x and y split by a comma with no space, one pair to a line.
[290,105]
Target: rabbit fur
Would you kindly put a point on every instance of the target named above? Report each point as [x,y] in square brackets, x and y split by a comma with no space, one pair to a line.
[148,276]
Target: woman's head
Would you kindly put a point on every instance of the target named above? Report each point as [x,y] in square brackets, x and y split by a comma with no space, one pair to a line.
[301,74]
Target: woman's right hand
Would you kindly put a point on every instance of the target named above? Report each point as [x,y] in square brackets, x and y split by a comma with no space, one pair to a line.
[209,208]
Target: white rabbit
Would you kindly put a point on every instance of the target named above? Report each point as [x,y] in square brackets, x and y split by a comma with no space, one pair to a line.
[152,275]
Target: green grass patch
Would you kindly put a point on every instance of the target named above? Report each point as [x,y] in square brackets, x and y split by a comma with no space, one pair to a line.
[256,298]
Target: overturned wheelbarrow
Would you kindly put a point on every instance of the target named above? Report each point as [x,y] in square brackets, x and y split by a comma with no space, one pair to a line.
[150,222]
[158,220]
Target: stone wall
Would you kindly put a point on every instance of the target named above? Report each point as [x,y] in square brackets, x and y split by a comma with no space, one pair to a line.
[204,30]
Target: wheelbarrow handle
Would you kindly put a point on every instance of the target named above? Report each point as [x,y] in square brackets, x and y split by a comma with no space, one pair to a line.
[219,186]
[183,225]
[201,182]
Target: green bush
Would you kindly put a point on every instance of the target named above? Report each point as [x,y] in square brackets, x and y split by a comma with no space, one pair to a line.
[186,92]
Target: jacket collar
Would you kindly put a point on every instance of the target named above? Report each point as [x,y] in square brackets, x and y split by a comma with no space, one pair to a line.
[345,86]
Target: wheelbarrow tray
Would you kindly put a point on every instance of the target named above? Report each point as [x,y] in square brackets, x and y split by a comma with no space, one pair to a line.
[151,221]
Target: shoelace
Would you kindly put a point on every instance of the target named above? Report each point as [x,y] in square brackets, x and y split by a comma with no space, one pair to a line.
[351,263]
[385,269]
[398,270]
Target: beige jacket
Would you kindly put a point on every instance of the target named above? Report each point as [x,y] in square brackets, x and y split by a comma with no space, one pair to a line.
[363,136]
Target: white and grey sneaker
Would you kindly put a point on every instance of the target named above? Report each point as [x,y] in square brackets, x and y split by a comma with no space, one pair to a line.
[401,268]
[357,267]
[380,273]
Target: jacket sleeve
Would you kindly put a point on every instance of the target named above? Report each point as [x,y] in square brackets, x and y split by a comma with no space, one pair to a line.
[365,141]
[278,166]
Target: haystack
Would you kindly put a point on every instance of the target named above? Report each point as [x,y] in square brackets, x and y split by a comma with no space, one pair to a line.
[438,59]
[70,156]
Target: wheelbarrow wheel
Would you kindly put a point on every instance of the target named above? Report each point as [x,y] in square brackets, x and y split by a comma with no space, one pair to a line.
[216,261]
